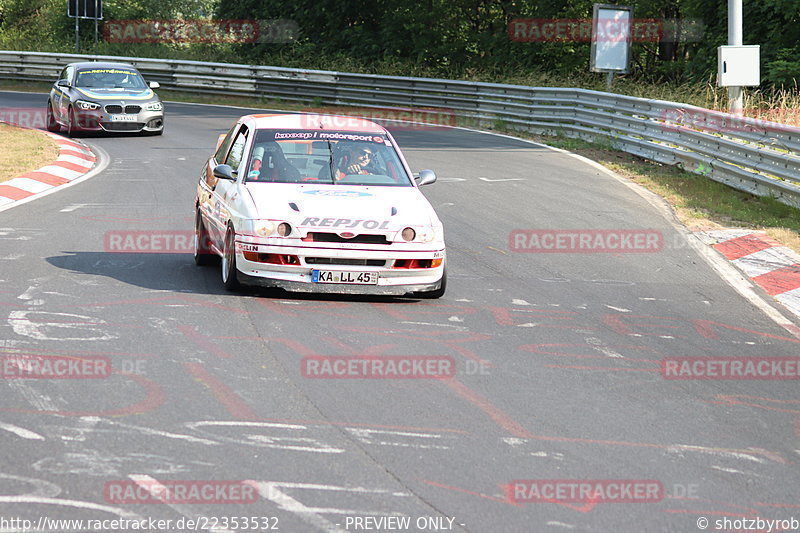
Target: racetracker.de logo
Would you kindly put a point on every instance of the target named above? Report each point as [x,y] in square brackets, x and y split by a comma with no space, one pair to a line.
[150,491]
[586,241]
[27,117]
[148,242]
[54,367]
[731,368]
[201,31]
[396,118]
[678,118]
[608,30]
[585,490]
[384,367]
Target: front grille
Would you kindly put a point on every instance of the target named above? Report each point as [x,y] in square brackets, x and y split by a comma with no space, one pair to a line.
[114,109]
[345,261]
[122,126]
[133,109]
[332,237]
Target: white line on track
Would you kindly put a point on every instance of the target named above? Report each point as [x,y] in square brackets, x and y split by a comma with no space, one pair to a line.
[155,488]
[21,432]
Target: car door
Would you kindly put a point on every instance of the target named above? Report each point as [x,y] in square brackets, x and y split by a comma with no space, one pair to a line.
[206,201]
[222,193]
[64,100]
[56,94]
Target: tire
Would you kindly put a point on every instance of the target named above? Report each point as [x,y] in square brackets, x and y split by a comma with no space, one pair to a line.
[203,256]
[229,273]
[52,124]
[71,129]
[437,293]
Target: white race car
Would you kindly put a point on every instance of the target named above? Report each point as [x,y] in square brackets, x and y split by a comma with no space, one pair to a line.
[318,203]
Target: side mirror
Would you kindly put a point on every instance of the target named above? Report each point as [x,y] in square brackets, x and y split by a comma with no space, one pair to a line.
[154,85]
[426,177]
[62,83]
[224,172]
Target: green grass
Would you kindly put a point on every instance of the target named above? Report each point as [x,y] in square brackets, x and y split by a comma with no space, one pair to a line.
[700,203]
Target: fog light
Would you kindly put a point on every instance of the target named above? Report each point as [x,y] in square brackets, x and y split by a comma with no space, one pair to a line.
[409,234]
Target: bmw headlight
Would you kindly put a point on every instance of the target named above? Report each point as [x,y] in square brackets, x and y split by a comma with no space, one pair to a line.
[154,106]
[86,105]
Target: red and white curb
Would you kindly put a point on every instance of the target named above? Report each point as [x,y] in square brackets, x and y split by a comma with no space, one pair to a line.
[74,160]
[773,267]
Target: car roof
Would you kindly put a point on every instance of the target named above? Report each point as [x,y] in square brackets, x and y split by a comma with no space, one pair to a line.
[100,64]
[302,121]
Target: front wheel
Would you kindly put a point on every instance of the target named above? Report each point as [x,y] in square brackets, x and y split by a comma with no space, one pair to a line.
[229,273]
[52,124]
[437,293]
[202,242]
[72,125]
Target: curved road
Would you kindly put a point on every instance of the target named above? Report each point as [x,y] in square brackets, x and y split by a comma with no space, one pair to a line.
[557,358]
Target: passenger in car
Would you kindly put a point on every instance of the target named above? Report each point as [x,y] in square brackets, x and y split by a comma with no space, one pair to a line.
[270,164]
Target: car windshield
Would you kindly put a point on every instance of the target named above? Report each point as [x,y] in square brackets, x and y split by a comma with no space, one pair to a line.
[333,157]
[110,78]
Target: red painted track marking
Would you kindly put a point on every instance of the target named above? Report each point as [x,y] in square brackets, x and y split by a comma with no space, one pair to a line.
[780,280]
[465,491]
[224,394]
[496,414]
[44,177]
[14,193]
[204,342]
[154,398]
[69,166]
[80,155]
[607,368]
[744,245]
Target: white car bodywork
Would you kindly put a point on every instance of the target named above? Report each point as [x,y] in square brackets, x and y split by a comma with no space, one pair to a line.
[343,238]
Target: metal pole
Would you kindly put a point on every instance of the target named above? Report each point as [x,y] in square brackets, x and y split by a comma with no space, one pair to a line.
[609,80]
[735,94]
[77,42]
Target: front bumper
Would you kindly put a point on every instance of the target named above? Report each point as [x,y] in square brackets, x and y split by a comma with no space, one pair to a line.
[298,277]
[100,120]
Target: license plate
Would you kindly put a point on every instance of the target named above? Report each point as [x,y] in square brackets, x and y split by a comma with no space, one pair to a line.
[352,278]
[122,118]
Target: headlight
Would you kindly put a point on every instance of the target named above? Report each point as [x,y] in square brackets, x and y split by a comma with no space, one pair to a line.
[154,106]
[427,235]
[266,228]
[263,228]
[86,105]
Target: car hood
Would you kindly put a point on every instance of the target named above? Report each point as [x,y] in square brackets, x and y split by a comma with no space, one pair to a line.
[117,94]
[342,207]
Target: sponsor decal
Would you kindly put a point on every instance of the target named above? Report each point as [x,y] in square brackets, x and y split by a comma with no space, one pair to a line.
[344,223]
[337,194]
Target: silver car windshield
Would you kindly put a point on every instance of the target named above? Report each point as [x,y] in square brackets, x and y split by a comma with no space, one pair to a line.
[110,78]
[319,156]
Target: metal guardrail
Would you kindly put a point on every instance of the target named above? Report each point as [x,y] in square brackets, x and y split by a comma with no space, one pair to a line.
[755,156]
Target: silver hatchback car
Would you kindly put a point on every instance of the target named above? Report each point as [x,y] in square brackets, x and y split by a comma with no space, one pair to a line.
[95,96]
